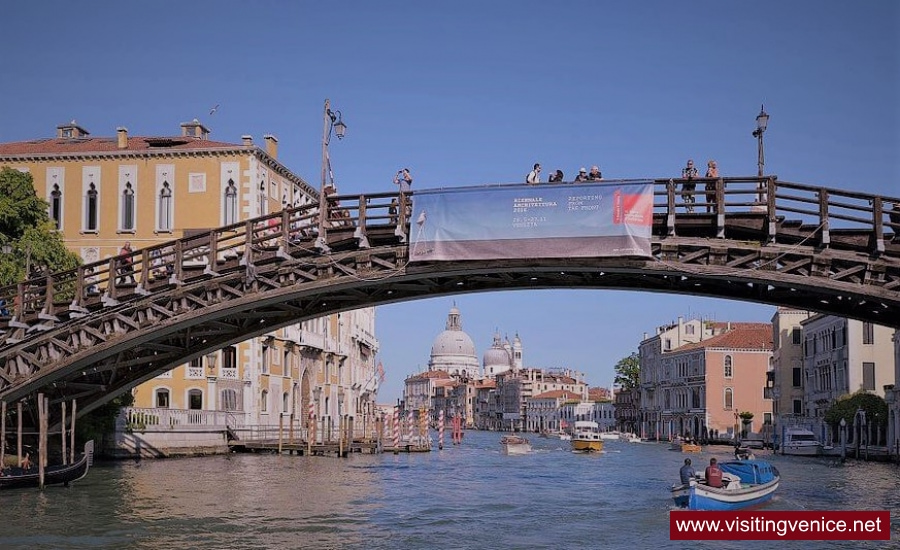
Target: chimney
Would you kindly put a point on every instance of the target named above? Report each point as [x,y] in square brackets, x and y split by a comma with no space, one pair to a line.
[122,137]
[248,140]
[271,145]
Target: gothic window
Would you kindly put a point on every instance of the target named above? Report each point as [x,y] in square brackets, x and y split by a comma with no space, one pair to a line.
[228,401]
[91,209]
[230,203]
[729,398]
[165,207]
[56,206]
[265,359]
[262,198]
[729,370]
[264,401]
[229,358]
[128,208]
[284,402]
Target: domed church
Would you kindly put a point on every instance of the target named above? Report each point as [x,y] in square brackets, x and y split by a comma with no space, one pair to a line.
[502,356]
[453,350]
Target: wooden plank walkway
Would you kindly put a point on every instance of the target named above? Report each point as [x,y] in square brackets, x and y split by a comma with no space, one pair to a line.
[301,447]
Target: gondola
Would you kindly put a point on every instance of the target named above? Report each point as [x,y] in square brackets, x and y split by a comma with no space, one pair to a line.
[60,474]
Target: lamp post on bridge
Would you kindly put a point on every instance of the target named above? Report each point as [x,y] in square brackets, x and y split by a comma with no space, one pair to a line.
[762,121]
[333,121]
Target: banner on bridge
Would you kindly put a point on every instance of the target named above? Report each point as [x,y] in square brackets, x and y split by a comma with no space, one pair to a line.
[542,221]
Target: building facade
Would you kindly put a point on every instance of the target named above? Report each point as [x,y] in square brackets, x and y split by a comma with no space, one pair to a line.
[104,192]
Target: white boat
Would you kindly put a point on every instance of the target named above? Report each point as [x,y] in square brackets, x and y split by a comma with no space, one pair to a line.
[610,436]
[746,483]
[630,437]
[800,442]
[586,438]
[515,445]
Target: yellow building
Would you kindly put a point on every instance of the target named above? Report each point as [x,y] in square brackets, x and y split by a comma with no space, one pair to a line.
[105,192]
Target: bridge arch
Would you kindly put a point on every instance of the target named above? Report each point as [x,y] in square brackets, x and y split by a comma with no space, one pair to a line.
[247,279]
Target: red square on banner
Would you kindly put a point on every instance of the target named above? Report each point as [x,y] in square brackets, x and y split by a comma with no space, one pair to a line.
[632,209]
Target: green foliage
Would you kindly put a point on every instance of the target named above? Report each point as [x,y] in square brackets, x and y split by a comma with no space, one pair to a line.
[26,226]
[101,422]
[628,371]
[846,406]
[746,416]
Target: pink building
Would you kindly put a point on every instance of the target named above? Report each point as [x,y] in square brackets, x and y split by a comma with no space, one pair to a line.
[702,387]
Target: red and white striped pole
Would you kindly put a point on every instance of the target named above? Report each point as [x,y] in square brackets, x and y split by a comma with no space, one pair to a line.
[311,427]
[441,429]
[410,425]
[396,429]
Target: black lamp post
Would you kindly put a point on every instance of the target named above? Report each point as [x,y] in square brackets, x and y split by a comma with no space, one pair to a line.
[762,121]
[333,121]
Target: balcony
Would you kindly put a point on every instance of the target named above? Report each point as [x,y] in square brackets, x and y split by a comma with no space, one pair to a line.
[312,340]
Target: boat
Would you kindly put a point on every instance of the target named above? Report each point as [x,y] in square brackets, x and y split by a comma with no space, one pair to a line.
[630,437]
[586,437]
[515,445]
[59,474]
[746,484]
[682,445]
[800,442]
[613,435]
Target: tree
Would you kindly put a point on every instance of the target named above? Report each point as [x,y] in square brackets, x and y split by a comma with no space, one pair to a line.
[846,406]
[628,371]
[25,225]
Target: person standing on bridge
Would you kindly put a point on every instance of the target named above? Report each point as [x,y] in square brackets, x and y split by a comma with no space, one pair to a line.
[689,173]
[404,180]
[556,177]
[712,172]
[126,264]
[595,174]
[534,177]
[582,176]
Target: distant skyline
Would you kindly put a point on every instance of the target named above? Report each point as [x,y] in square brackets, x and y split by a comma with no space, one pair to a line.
[476,92]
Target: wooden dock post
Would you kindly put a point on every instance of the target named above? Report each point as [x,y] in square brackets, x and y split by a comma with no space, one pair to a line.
[42,438]
[2,434]
[19,433]
[72,436]
[280,432]
[62,431]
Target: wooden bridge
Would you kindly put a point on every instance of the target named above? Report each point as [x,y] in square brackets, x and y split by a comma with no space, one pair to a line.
[96,331]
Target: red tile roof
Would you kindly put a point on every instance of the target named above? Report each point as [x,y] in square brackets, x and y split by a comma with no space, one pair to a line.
[442,374]
[84,145]
[749,336]
[558,394]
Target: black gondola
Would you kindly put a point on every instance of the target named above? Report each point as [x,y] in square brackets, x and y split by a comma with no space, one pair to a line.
[60,474]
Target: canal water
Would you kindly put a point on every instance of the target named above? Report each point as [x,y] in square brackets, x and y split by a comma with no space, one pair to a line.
[466,496]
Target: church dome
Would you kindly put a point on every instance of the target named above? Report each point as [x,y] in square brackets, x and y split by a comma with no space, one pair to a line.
[496,359]
[453,350]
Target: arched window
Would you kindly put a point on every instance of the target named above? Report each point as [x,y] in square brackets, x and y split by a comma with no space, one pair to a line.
[230,203]
[162,399]
[128,208]
[228,400]
[729,398]
[262,199]
[285,401]
[195,399]
[56,206]
[165,207]
[729,369]
[264,401]
[91,208]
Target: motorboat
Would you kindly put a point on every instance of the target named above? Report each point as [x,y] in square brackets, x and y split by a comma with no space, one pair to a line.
[746,484]
[515,445]
[800,442]
[610,436]
[586,437]
[630,437]
[681,445]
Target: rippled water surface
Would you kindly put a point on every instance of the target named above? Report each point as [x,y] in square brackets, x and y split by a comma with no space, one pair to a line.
[467,496]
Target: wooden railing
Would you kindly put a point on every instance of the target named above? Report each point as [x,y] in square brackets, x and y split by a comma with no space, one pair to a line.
[383,218]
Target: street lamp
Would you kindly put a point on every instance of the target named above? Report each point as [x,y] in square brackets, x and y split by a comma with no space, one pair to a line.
[333,121]
[211,359]
[762,120]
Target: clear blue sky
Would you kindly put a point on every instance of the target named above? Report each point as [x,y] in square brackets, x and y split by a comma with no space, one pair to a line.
[473,92]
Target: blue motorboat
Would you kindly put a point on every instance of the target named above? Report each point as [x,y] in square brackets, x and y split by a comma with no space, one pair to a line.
[746,484]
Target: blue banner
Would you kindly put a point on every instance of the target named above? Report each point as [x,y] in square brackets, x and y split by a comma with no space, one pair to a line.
[528,221]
